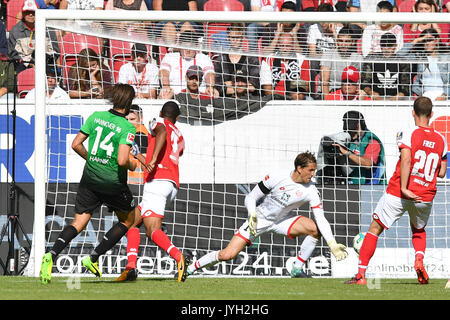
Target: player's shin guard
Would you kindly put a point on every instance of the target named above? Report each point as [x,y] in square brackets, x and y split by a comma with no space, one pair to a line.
[419,240]
[109,240]
[366,252]
[162,240]
[133,241]
[306,249]
[207,260]
[64,238]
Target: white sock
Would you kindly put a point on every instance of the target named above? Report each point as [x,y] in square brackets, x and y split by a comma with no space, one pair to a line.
[306,249]
[208,259]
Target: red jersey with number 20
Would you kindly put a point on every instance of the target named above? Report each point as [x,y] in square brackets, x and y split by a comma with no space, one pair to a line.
[428,149]
[167,164]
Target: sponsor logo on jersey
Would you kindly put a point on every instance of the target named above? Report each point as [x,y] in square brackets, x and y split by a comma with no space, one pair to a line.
[130,138]
[266,178]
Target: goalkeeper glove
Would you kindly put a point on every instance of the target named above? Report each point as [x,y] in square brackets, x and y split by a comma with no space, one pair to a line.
[252,222]
[135,149]
[338,250]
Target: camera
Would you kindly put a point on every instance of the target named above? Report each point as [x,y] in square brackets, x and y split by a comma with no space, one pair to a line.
[332,165]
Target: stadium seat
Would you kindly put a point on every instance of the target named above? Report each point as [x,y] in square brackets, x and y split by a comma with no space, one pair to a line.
[223,5]
[13,7]
[25,81]
[72,44]
[219,5]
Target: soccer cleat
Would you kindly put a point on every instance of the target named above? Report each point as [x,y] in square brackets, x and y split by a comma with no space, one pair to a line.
[182,269]
[358,279]
[46,268]
[422,276]
[91,266]
[128,275]
[297,272]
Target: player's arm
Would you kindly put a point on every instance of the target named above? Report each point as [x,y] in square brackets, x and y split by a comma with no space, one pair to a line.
[123,157]
[337,249]
[443,170]
[251,199]
[77,144]
[160,134]
[405,171]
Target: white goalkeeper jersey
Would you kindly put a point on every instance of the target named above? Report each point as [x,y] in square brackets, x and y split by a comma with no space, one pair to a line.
[284,195]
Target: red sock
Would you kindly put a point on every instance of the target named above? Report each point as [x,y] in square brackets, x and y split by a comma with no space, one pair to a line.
[134,239]
[162,240]
[419,240]
[366,252]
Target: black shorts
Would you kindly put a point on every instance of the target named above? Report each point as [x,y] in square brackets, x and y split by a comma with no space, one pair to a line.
[88,200]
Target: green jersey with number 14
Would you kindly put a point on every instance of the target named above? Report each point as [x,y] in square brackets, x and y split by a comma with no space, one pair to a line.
[106,130]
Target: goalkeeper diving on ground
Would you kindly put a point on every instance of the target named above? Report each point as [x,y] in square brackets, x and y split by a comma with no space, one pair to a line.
[281,193]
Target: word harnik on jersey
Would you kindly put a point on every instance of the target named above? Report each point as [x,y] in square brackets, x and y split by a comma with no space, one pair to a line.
[284,195]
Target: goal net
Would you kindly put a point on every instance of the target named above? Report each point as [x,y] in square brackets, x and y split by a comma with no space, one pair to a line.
[267,86]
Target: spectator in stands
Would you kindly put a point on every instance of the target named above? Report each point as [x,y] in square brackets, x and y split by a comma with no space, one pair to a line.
[321,39]
[433,67]
[372,5]
[357,28]
[322,36]
[175,64]
[88,78]
[382,79]
[372,34]
[255,30]
[7,78]
[140,74]
[194,76]
[126,5]
[54,91]
[276,73]
[42,4]
[241,85]
[82,4]
[412,31]
[298,90]
[349,87]
[21,41]
[3,40]
[334,61]
[169,31]
[273,31]
[226,65]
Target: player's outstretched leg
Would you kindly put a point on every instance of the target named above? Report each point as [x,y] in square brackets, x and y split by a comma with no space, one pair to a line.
[419,240]
[447,286]
[306,249]
[133,240]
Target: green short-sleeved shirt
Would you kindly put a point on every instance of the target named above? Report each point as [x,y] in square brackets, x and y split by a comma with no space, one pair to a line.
[106,130]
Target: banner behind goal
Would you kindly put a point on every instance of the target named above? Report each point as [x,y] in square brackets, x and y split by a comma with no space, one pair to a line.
[259,104]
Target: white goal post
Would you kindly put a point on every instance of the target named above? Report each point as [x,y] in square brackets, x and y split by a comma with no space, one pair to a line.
[221,151]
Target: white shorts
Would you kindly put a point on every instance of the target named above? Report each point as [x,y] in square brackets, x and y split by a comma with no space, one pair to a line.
[155,196]
[282,227]
[390,208]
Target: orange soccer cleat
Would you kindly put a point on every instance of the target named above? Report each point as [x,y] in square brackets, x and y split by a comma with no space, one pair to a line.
[358,279]
[422,276]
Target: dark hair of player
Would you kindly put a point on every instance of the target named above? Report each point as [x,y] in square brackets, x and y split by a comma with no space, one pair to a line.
[423,107]
[304,158]
[121,95]
[170,110]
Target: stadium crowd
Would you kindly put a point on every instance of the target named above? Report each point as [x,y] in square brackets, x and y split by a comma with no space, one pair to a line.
[319,61]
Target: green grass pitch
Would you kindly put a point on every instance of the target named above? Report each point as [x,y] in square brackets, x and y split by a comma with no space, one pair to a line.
[198,288]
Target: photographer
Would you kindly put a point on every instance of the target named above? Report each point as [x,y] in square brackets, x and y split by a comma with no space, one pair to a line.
[365,151]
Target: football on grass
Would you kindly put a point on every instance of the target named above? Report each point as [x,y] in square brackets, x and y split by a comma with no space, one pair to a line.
[358,241]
